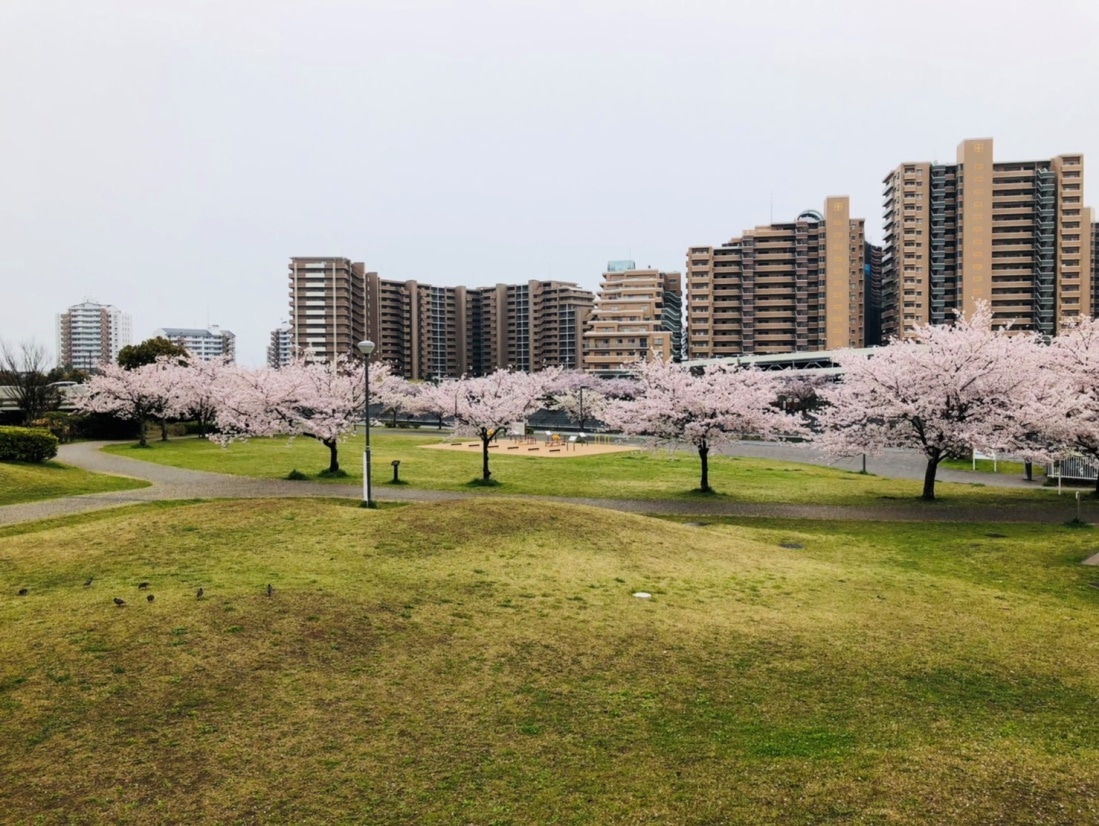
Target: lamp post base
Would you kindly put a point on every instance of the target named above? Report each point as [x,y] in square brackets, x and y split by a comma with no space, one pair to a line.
[368,499]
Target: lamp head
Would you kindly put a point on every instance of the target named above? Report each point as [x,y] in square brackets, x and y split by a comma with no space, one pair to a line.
[366,348]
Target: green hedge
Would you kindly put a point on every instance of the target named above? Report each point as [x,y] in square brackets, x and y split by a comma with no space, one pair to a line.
[26,444]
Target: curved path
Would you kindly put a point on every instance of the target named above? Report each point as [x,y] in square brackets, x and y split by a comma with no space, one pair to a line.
[169,483]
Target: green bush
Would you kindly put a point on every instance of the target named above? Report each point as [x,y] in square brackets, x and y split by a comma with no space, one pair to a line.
[26,444]
[102,426]
[58,423]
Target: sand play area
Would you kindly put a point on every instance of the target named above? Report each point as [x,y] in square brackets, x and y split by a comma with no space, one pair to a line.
[539,446]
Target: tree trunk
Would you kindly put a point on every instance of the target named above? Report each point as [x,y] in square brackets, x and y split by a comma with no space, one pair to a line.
[486,437]
[1028,466]
[933,460]
[141,440]
[163,430]
[333,460]
[704,455]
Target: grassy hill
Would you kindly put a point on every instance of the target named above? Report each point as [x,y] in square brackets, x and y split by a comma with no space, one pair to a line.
[487,662]
[30,482]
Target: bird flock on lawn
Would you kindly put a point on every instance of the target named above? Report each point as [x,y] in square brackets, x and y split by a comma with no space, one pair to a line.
[141,586]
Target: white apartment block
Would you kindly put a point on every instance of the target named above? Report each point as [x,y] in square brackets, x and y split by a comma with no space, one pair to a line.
[205,344]
[90,334]
[280,349]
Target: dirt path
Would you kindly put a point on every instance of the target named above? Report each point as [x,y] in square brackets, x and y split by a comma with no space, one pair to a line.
[168,483]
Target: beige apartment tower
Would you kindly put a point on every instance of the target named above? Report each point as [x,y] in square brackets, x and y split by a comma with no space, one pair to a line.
[427,332]
[1014,235]
[781,288]
[637,317]
[327,307]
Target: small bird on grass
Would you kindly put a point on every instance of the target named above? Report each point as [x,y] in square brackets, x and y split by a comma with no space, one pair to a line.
[199,594]
[88,582]
[141,586]
[150,597]
[269,589]
[23,592]
[121,603]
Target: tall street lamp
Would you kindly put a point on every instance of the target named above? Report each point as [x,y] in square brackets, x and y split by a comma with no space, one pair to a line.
[366,348]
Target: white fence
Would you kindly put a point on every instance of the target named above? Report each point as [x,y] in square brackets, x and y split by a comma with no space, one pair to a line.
[1074,467]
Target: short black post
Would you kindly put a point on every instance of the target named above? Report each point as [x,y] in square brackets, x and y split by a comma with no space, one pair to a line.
[396,464]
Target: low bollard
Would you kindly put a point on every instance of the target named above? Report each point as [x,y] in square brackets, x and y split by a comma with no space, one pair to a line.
[396,464]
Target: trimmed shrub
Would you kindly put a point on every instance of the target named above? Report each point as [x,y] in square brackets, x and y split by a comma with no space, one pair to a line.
[26,444]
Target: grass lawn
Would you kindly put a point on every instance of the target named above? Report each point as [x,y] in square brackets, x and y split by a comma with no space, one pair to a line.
[486,662]
[988,466]
[637,475]
[20,482]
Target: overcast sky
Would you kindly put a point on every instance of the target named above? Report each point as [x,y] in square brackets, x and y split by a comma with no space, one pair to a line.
[169,156]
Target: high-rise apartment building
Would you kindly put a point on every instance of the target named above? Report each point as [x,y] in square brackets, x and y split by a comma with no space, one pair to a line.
[872,292]
[280,347]
[637,316]
[1015,235]
[1094,268]
[782,288]
[89,334]
[428,332]
[206,344]
[419,330]
[559,311]
[327,306]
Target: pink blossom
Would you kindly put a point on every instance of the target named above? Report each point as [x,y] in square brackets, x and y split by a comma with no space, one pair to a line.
[944,392]
[722,403]
[484,405]
[320,400]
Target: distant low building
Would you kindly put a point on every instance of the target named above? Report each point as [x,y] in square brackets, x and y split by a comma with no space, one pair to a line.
[206,344]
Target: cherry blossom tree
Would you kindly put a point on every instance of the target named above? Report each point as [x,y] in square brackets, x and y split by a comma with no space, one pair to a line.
[137,394]
[482,406]
[583,396]
[1070,425]
[706,409]
[944,392]
[323,401]
[198,389]
[398,396]
[799,392]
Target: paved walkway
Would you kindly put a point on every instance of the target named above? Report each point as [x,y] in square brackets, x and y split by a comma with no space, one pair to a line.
[168,483]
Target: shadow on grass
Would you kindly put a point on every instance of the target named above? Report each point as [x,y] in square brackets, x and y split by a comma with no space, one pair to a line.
[332,474]
[483,483]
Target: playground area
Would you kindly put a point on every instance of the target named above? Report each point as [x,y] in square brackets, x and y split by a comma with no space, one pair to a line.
[542,444]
